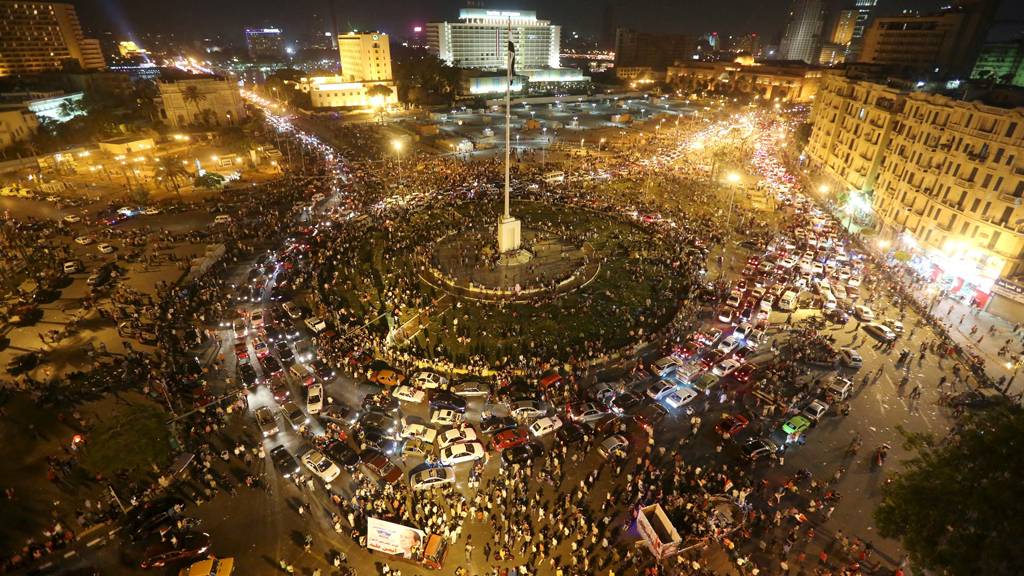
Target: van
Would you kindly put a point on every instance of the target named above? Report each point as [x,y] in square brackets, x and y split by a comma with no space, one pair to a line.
[840,389]
[302,374]
[222,219]
[830,301]
[788,301]
[71,267]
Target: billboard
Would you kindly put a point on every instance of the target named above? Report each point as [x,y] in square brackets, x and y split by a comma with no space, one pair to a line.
[394,539]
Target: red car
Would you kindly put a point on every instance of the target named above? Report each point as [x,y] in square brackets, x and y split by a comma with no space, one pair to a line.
[509,438]
[690,350]
[745,373]
[732,424]
[712,358]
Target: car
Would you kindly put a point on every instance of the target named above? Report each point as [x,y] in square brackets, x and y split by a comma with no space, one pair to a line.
[445,417]
[72,219]
[265,420]
[256,318]
[422,432]
[284,461]
[626,401]
[417,447]
[429,380]
[587,411]
[743,331]
[316,324]
[341,454]
[711,358]
[293,414]
[151,515]
[105,248]
[151,211]
[895,325]
[247,374]
[409,394]
[84,240]
[880,331]
[273,333]
[322,369]
[850,357]
[303,351]
[446,400]
[185,546]
[726,367]
[340,414]
[99,278]
[731,424]
[284,351]
[726,315]
[570,433]
[377,440]
[796,424]
[509,438]
[314,398]
[270,365]
[471,389]
[321,465]
[22,363]
[815,410]
[387,377]
[527,409]
[381,402]
[615,445]
[602,392]
[493,424]
[546,425]
[458,435]
[758,448]
[690,350]
[431,478]
[863,313]
[665,364]
[745,372]
[260,347]
[463,452]
[522,454]
[241,329]
[836,316]
[649,415]
[660,389]
[680,396]
[292,310]
[379,422]
[730,343]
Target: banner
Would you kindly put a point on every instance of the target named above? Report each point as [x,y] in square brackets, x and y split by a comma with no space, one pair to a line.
[394,539]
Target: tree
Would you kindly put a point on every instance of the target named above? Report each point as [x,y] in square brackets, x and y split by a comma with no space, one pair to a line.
[957,508]
[208,116]
[901,256]
[135,438]
[70,108]
[379,90]
[210,181]
[193,95]
[171,168]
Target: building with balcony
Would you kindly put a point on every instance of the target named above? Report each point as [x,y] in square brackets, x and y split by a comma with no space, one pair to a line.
[43,36]
[793,81]
[480,40]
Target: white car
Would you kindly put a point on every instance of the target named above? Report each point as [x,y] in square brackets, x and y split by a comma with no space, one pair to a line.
[527,409]
[431,477]
[680,396]
[471,389]
[726,367]
[316,324]
[151,211]
[660,389]
[851,358]
[84,240]
[743,330]
[864,313]
[815,410]
[292,310]
[321,465]
[445,417]
[106,248]
[315,398]
[545,426]
[72,219]
[726,315]
[729,344]
[241,329]
[409,394]
[421,432]
[459,453]
[429,380]
[665,364]
[256,318]
[456,436]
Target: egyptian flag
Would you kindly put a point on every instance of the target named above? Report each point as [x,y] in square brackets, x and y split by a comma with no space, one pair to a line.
[511,53]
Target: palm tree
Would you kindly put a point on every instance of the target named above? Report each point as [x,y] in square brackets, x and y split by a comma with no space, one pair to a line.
[192,94]
[172,169]
[208,116]
[69,108]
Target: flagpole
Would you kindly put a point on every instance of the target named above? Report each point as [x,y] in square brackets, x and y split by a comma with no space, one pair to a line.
[508,114]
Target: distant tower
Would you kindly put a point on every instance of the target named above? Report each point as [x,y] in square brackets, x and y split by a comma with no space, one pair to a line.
[803,31]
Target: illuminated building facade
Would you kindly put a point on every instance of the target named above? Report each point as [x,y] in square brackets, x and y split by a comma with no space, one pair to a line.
[480,39]
[787,81]
[365,63]
[220,95]
[41,36]
[803,31]
[264,43]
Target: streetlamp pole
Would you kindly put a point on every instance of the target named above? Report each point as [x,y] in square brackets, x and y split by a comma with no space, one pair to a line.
[398,152]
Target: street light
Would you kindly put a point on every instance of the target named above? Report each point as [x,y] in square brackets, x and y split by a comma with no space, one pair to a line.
[398,151]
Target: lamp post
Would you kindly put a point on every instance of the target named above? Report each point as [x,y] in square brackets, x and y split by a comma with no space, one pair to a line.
[733,178]
[1015,367]
[398,152]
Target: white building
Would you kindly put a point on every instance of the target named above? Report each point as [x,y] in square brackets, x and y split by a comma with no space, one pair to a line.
[365,57]
[218,95]
[802,40]
[480,39]
[365,63]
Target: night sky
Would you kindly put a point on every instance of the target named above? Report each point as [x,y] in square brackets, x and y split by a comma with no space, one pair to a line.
[397,17]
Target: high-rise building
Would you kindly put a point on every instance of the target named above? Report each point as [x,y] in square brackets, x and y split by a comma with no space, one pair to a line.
[945,42]
[264,43]
[803,31]
[607,29]
[41,36]
[945,177]
[842,31]
[365,57]
[1002,62]
[480,39]
[656,51]
[750,44]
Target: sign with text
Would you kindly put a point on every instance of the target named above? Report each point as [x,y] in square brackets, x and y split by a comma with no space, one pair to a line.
[1010,290]
[394,539]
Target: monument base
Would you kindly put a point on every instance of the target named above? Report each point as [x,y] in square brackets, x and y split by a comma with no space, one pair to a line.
[509,234]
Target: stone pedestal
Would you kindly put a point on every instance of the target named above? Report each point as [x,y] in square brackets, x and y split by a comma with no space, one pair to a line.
[509,234]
